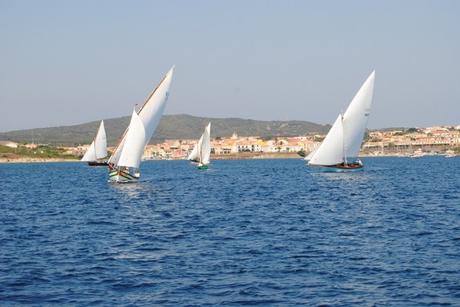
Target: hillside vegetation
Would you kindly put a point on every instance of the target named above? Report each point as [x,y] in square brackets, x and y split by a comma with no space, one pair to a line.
[171,127]
[45,152]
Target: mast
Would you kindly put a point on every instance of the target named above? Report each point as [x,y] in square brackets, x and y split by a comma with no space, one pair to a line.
[344,153]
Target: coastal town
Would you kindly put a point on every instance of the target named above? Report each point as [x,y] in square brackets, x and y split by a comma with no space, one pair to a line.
[414,142]
[433,140]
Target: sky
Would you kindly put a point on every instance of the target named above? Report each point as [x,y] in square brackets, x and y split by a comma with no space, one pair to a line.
[70,62]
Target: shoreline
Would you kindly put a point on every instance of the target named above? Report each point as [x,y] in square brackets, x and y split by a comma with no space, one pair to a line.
[35,160]
[240,156]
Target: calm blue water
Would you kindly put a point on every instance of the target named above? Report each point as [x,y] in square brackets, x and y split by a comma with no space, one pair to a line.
[262,232]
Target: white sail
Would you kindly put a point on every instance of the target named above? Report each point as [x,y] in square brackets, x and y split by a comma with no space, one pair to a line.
[115,157]
[98,148]
[90,154]
[198,149]
[153,109]
[150,115]
[346,135]
[100,142]
[133,148]
[205,146]
[356,116]
[331,150]
[193,156]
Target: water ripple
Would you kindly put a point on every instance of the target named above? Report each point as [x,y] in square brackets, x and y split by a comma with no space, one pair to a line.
[242,233]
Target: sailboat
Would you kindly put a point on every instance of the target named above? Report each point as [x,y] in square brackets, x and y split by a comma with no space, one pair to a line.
[126,158]
[343,141]
[97,151]
[202,150]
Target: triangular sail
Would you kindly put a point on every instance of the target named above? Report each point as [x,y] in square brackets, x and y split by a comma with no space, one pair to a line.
[133,148]
[356,117]
[205,148]
[198,149]
[98,148]
[330,151]
[100,142]
[90,154]
[193,156]
[115,157]
[346,135]
[150,115]
[153,108]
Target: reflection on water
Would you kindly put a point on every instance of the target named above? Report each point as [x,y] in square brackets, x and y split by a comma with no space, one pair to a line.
[129,190]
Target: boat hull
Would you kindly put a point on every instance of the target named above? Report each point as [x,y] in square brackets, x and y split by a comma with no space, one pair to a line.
[202,167]
[339,168]
[121,176]
[96,163]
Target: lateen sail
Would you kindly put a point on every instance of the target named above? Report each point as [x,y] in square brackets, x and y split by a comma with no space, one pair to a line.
[133,148]
[205,148]
[202,150]
[356,116]
[331,149]
[98,148]
[193,156]
[90,154]
[150,115]
[344,139]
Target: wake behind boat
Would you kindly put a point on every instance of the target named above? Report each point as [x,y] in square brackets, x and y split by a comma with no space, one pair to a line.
[201,153]
[97,151]
[343,141]
[125,160]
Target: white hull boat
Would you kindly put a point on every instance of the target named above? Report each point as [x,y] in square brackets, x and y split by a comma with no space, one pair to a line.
[125,160]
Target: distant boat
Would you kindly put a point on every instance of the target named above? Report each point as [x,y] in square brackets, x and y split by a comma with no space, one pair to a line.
[125,160]
[343,141]
[450,154]
[201,153]
[97,151]
[418,154]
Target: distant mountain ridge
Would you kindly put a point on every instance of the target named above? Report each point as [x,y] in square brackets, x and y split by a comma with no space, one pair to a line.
[179,126]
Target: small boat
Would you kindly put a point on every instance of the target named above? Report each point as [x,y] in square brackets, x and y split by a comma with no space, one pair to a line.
[418,154]
[450,154]
[97,151]
[343,141]
[126,158]
[201,153]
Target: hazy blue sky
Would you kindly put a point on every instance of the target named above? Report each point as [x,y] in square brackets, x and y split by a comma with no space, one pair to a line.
[67,62]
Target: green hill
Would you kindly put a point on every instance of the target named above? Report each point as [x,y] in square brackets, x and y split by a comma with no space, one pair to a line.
[171,127]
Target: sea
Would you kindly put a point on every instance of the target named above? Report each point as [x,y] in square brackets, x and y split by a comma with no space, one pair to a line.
[243,232]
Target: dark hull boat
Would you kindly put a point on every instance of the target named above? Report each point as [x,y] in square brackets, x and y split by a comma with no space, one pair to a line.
[97,163]
[97,151]
[343,141]
[341,167]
